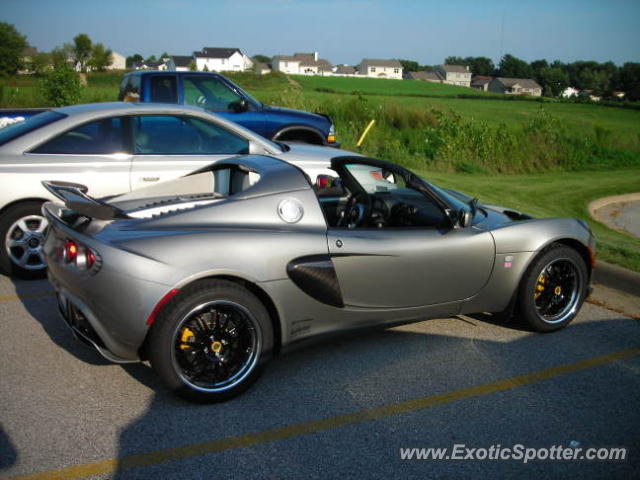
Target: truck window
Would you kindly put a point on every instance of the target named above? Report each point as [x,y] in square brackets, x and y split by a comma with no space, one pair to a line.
[209,93]
[130,89]
[164,89]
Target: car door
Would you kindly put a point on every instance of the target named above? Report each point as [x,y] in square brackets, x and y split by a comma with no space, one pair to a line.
[216,95]
[94,154]
[168,146]
[392,266]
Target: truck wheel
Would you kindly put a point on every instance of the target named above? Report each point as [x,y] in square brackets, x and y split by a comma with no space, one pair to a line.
[211,341]
[22,232]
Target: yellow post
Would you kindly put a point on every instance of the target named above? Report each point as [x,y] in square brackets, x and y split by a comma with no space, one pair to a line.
[364,134]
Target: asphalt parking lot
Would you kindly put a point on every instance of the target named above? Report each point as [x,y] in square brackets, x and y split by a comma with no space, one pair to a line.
[341,409]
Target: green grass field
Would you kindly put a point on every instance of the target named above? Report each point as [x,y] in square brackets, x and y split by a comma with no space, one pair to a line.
[546,159]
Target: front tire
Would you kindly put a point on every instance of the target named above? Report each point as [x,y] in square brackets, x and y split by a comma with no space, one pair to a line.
[553,289]
[211,341]
[22,233]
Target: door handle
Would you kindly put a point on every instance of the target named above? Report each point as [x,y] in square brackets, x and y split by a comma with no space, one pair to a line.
[150,179]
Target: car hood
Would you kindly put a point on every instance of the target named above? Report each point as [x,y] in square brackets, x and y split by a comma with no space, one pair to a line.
[296,113]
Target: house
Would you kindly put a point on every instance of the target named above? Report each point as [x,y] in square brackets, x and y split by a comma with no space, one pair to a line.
[590,95]
[262,68]
[157,65]
[179,63]
[618,94]
[425,76]
[455,74]
[345,71]
[380,68]
[214,59]
[481,82]
[570,92]
[302,64]
[118,61]
[515,86]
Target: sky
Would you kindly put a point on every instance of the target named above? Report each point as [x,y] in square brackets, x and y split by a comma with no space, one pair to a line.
[342,31]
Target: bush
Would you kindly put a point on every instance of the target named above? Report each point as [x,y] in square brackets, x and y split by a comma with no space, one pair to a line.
[61,86]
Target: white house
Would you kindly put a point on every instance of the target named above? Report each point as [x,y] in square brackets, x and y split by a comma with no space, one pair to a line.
[179,63]
[262,68]
[118,61]
[380,68]
[302,64]
[570,92]
[455,74]
[215,59]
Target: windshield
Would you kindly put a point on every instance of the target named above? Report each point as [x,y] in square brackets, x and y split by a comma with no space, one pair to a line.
[21,128]
[452,200]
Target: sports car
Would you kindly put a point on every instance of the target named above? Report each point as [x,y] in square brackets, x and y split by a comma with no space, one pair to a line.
[210,275]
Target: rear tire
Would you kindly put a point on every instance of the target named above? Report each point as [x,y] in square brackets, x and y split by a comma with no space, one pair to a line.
[553,289]
[22,232]
[211,341]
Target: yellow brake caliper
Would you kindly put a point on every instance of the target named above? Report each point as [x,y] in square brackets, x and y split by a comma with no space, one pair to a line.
[539,286]
[185,338]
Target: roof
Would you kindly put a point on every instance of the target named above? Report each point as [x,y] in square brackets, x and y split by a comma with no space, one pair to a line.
[262,66]
[480,80]
[216,52]
[523,82]
[181,60]
[424,75]
[346,69]
[380,63]
[455,69]
[29,51]
[286,58]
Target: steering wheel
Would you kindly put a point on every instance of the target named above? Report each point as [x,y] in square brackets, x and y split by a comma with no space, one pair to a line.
[356,211]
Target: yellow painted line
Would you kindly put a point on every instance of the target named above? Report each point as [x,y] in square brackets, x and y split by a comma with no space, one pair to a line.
[24,296]
[232,443]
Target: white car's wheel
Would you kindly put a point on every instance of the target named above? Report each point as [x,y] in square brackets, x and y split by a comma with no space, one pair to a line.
[23,230]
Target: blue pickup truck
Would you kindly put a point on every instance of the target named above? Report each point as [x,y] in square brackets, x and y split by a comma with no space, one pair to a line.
[218,94]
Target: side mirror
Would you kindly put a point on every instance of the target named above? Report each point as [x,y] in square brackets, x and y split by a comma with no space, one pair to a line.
[240,106]
[465,217]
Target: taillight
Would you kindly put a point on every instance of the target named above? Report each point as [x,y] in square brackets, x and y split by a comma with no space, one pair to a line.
[79,256]
[91,258]
[70,251]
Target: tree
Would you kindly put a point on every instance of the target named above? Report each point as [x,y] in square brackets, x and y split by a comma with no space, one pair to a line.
[151,59]
[62,55]
[164,55]
[40,63]
[452,60]
[82,50]
[261,59]
[61,86]
[134,60]
[192,66]
[513,67]
[629,80]
[553,81]
[409,65]
[12,44]
[481,65]
[101,58]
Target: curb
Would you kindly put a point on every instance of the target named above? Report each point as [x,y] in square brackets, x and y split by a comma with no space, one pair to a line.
[616,277]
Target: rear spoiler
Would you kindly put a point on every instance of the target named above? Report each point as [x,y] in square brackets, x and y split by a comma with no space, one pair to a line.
[75,198]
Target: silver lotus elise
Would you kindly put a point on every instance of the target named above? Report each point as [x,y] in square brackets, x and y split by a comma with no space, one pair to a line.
[209,275]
